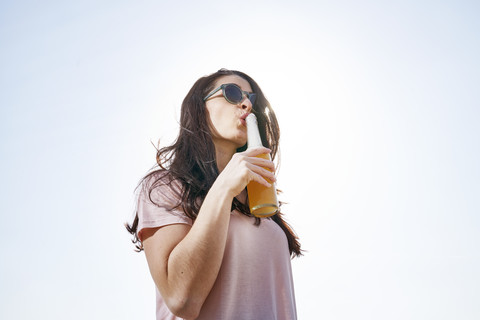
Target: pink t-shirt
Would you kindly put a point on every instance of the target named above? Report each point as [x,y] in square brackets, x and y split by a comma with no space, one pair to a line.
[255,278]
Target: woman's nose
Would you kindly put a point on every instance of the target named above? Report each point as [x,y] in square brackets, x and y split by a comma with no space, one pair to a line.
[246,104]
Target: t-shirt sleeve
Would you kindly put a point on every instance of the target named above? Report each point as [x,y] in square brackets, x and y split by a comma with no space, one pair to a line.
[159,208]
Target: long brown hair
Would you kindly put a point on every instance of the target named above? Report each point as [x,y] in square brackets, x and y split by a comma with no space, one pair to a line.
[191,158]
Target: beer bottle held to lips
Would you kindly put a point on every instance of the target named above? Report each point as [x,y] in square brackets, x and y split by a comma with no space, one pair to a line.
[262,200]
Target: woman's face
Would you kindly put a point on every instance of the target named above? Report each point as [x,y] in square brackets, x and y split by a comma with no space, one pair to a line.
[226,120]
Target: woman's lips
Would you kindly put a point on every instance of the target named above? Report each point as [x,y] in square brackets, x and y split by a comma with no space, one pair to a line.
[242,118]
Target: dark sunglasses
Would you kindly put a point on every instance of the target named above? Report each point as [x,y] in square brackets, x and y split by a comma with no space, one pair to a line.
[233,93]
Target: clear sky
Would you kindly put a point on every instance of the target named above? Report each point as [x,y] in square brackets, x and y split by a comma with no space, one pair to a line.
[378,103]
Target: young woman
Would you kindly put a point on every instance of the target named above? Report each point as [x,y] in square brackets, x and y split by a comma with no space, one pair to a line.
[208,256]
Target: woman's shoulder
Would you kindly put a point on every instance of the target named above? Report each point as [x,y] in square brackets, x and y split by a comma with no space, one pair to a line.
[160,202]
[160,179]
[160,184]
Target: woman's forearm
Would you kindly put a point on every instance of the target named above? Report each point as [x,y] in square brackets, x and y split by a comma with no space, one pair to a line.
[194,263]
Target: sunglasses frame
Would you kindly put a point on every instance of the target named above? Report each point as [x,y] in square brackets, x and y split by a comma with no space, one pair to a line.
[223,86]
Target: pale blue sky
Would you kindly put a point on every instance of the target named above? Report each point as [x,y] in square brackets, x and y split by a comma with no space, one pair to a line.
[379,108]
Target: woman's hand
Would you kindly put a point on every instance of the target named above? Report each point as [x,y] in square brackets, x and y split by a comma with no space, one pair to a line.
[245,167]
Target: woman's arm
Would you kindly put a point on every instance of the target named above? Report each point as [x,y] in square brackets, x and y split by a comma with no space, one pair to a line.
[184,260]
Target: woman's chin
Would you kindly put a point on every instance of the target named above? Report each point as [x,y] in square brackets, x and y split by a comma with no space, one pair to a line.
[241,141]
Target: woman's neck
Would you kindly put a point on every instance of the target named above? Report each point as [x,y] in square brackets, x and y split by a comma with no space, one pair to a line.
[223,155]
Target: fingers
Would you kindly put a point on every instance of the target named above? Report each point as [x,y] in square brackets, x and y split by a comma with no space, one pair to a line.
[260,157]
[253,152]
[261,175]
[261,162]
[258,178]
[251,165]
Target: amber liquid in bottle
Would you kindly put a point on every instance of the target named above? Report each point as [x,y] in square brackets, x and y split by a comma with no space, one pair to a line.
[262,200]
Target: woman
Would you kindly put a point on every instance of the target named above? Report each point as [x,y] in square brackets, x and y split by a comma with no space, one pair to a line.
[208,256]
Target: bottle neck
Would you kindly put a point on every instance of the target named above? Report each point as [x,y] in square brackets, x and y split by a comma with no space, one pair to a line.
[254,139]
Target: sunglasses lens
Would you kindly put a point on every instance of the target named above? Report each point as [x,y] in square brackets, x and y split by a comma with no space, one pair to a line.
[233,93]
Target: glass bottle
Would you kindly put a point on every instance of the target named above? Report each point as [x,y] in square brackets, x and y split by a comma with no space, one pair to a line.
[262,200]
